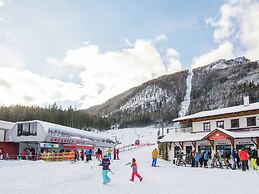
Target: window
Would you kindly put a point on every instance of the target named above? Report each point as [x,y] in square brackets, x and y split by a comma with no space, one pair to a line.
[27,129]
[234,123]
[220,124]
[206,126]
[251,121]
[224,150]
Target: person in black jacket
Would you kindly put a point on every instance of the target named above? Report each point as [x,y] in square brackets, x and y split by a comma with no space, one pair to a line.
[254,156]
[106,167]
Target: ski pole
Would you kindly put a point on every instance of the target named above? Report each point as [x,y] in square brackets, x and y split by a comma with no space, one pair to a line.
[111,171]
[94,166]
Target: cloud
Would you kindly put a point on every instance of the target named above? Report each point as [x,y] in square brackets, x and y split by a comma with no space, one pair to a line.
[11,58]
[24,87]
[235,32]
[173,62]
[2,3]
[106,74]
[224,51]
[161,38]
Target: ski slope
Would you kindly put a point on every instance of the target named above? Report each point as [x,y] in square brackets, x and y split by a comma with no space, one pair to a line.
[40,177]
[127,136]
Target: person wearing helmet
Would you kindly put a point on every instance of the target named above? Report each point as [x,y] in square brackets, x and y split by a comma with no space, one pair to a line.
[135,170]
[106,167]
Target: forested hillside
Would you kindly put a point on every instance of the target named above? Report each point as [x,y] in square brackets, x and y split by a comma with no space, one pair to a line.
[68,117]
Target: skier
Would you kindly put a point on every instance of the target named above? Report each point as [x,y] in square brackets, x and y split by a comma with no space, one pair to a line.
[254,156]
[76,155]
[135,170]
[114,153]
[82,154]
[109,151]
[90,154]
[106,167]
[154,157]
[234,158]
[117,154]
[243,155]
[205,159]
[193,158]
[197,159]
[99,154]
[87,153]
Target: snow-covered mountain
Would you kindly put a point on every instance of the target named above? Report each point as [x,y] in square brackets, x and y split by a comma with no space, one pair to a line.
[219,84]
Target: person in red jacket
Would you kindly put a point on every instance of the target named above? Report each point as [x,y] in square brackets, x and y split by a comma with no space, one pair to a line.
[135,170]
[243,155]
[114,153]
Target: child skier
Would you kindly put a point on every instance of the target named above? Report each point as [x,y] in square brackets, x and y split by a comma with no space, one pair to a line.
[135,170]
[105,164]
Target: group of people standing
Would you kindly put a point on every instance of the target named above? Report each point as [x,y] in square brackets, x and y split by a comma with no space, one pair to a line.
[85,155]
[239,159]
[243,157]
[200,158]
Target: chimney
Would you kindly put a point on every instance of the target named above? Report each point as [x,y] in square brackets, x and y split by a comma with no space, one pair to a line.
[246,100]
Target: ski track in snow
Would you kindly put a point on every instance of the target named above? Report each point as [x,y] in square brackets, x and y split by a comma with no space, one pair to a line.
[186,102]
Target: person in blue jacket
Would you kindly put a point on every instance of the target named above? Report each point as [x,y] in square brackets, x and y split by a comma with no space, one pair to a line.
[197,158]
[87,157]
[206,158]
[105,168]
[234,158]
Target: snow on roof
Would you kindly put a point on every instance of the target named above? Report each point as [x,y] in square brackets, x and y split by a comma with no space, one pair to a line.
[221,111]
[70,130]
[183,137]
[6,125]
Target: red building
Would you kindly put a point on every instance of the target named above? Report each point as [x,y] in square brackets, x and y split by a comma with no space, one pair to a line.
[7,148]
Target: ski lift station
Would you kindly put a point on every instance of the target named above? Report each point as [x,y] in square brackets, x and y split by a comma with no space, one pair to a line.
[40,135]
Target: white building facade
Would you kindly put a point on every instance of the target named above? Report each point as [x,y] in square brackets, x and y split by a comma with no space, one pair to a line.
[216,130]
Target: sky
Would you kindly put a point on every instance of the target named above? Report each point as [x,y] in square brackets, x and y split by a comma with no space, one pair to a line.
[82,52]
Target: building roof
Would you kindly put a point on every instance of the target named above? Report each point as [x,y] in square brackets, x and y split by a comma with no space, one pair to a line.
[184,137]
[6,125]
[72,131]
[221,111]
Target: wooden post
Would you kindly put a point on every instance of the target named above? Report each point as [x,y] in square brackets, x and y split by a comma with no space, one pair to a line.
[194,145]
[212,144]
[232,142]
[166,151]
[255,142]
[181,144]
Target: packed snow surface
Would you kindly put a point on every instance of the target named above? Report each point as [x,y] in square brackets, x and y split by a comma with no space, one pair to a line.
[29,177]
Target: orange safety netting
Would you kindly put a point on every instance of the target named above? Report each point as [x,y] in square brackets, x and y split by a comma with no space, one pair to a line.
[65,156]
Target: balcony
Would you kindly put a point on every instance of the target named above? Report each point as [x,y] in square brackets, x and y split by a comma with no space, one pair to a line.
[183,130]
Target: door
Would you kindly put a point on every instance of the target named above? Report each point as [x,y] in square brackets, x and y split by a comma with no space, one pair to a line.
[188,149]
